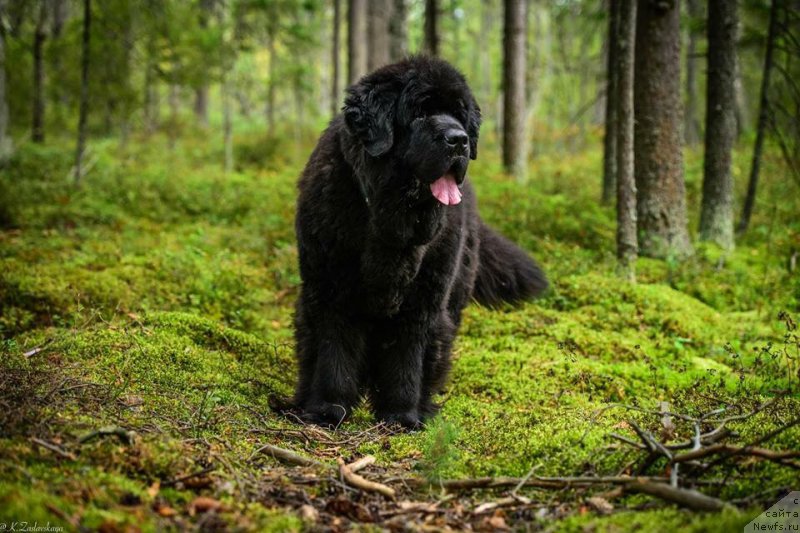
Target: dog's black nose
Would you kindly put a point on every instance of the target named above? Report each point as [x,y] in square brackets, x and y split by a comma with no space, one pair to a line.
[456,138]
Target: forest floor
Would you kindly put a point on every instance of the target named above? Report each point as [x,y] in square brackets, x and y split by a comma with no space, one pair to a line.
[146,321]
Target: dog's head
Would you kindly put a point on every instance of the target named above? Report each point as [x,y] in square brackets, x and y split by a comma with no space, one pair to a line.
[419,117]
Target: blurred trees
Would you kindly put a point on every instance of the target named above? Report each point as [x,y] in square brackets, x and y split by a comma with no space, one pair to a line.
[547,80]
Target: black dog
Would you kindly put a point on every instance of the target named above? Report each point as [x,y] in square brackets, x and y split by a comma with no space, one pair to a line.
[391,246]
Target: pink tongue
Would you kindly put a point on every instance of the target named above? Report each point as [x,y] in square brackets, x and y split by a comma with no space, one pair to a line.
[446,191]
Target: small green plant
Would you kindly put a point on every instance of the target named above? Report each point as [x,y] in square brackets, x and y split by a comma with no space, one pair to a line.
[440,453]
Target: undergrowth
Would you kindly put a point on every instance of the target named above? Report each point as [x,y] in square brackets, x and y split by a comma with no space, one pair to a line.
[158,297]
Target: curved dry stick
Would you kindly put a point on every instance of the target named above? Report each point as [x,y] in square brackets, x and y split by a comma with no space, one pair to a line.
[364,484]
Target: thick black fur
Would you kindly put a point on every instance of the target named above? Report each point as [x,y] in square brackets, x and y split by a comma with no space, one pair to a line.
[386,268]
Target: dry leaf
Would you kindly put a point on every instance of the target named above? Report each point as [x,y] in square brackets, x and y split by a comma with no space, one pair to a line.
[166,511]
[498,522]
[203,504]
[153,489]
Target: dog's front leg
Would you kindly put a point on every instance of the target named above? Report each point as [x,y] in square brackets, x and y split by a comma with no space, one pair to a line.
[397,370]
[331,356]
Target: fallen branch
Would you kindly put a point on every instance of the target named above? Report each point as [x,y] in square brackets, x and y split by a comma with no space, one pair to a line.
[125,436]
[364,484]
[53,448]
[539,482]
[187,477]
[690,499]
[362,463]
[287,456]
[736,450]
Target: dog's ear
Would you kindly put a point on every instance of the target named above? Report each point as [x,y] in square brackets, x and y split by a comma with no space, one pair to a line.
[473,129]
[369,115]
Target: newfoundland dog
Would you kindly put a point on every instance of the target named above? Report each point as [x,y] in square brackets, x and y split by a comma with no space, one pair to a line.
[392,248]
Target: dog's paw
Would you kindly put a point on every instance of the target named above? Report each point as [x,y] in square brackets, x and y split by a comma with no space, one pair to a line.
[325,414]
[408,420]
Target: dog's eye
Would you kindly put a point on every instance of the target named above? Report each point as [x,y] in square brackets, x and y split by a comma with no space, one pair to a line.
[461,105]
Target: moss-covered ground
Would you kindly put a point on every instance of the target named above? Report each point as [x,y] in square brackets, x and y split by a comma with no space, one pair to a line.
[157,298]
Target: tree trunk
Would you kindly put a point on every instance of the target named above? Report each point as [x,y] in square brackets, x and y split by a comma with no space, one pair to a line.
[379,13]
[227,122]
[763,119]
[742,114]
[487,27]
[336,64]
[39,36]
[691,126]
[356,40]
[173,99]
[661,201]
[610,139]
[627,245]
[398,31]
[59,93]
[201,93]
[716,215]
[514,61]
[273,79]
[600,103]
[152,103]
[431,43]
[84,105]
[201,105]
[6,144]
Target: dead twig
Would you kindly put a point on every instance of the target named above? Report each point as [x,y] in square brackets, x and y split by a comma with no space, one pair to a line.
[362,463]
[364,484]
[286,456]
[125,436]
[187,477]
[54,448]
[730,449]
[690,499]
[539,482]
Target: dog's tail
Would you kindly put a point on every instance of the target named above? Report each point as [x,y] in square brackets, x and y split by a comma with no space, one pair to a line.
[505,272]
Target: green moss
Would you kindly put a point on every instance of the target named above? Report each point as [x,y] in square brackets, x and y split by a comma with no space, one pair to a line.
[159,296]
